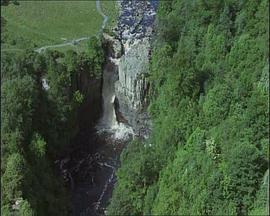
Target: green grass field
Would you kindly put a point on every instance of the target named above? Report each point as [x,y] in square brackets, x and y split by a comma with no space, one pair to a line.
[40,23]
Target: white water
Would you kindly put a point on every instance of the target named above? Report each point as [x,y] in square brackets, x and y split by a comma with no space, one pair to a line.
[45,84]
[116,61]
[108,120]
[108,123]
[122,131]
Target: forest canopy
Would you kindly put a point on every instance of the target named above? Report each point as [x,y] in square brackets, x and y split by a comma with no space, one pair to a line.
[40,98]
[208,153]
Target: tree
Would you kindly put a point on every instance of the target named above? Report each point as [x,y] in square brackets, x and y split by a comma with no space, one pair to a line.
[78,97]
[96,55]
[209,112]
[38,146]
[25,209]
[245,166]
[217,104]
[17,100]
[13,178]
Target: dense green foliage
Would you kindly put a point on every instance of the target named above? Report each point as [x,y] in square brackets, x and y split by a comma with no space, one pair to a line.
[37,122]
[6,2]
[208,152]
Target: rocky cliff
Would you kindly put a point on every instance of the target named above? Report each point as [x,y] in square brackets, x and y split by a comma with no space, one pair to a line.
[130,52]
[90,111]
[132,87]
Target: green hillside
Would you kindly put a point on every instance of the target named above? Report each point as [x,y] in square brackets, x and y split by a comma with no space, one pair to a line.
[208,154]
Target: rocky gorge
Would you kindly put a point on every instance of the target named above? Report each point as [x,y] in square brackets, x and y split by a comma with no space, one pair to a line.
[161,114]
[89,166]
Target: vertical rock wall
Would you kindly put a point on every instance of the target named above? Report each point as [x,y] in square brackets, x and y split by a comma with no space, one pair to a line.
[90,111]
[129,50]
[132,86]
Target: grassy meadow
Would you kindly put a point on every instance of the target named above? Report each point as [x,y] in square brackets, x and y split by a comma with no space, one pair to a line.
[40,23]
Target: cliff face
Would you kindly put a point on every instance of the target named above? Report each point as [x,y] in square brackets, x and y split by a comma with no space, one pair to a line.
[90,111]
[129,52]
[131,88]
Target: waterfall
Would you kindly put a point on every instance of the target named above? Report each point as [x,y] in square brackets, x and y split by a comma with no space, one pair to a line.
[108,122]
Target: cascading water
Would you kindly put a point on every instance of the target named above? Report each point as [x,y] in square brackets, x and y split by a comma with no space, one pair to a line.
[108,120]
[108,123]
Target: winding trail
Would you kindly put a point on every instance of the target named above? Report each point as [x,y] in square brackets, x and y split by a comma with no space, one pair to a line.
[69,43]
[74,41]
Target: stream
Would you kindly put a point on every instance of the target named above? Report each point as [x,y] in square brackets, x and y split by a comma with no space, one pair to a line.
[89,171]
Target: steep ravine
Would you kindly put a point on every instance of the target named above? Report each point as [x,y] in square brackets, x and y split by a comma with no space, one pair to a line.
[89,166]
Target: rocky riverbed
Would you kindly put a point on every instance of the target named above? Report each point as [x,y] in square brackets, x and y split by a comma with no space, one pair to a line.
[136,19]
[88,170]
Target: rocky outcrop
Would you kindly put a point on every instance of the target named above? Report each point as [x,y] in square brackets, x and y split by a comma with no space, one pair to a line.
[132,87]
[113,46]
[135,28]
[129,52]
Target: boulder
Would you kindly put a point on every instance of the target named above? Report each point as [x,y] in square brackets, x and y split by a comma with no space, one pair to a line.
[114,46]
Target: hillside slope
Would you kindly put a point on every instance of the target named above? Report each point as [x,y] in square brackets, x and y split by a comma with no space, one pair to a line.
[208,152]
